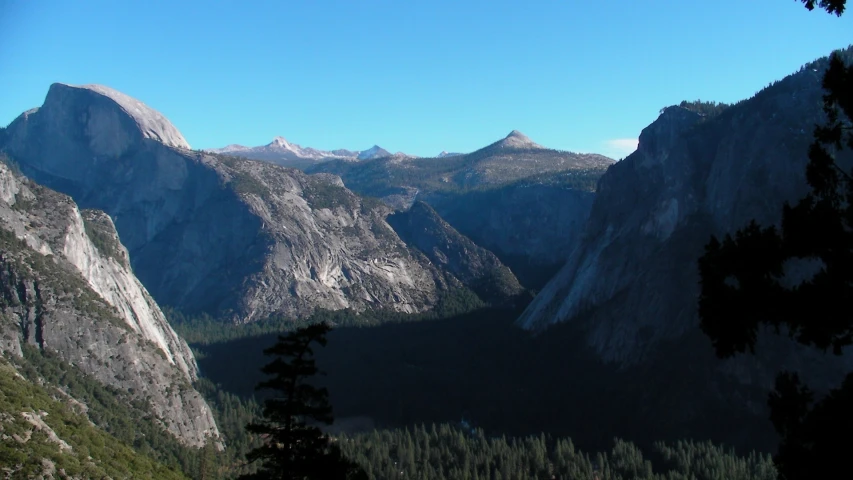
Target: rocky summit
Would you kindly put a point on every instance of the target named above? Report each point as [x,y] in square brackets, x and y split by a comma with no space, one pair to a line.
[210,233]
[67,287]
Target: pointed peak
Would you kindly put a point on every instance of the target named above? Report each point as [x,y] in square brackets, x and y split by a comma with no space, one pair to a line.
[516,139]
[279,141]
[373,152]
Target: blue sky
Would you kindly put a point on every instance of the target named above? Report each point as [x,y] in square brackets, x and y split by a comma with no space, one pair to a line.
[412,76]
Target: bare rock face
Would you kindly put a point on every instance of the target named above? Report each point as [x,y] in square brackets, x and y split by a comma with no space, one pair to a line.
[632,283]
[224,235]
[67,286]
[423,229]
[325,247]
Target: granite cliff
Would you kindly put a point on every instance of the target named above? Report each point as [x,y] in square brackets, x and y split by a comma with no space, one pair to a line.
[67,287]
[631,284]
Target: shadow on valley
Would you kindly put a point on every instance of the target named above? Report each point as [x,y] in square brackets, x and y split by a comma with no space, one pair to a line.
[480,368]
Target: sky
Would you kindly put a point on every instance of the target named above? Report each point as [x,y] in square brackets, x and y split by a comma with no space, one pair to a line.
[412,76]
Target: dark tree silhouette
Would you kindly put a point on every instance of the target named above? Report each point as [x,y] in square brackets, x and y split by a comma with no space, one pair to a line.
[798,279]
[293,448]
[831,6]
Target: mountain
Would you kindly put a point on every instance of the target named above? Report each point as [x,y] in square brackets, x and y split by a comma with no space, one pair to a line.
[510,159]
[281,152]
[422,228]
[515,140]
[373,152]
[631,285]
[210,233]
[67,287]
[514,197]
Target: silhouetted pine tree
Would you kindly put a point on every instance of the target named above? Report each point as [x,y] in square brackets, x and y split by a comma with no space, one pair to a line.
[293,448]
[743,287]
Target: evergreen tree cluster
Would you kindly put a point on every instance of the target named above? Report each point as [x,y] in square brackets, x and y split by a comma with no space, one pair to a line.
[704,108]
[70,446]
[441,452]
[204,329]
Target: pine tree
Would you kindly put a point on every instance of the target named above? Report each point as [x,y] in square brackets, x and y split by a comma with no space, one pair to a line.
[745,284]
[293,448]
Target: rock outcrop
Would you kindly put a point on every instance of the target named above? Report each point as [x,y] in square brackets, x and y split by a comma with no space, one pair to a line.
[217,234]
[67,286]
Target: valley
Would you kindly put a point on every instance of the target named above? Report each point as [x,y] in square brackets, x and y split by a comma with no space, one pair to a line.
[501,312]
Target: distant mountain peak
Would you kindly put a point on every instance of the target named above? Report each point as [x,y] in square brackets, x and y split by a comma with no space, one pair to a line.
[516,139]
[279,141]
[373,152]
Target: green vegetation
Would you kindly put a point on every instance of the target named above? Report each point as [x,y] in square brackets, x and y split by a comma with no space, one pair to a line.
[131,423]
[127,420]
[583,179]
[102,238]
[241,182]
[707,109]
[448,452]
[27,451]
[232,414]
[459,453]
[203,329]
[321,194]
[246,184]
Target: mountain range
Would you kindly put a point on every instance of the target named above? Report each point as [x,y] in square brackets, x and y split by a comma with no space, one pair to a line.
[281,152]
[524,202]
[235,238]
